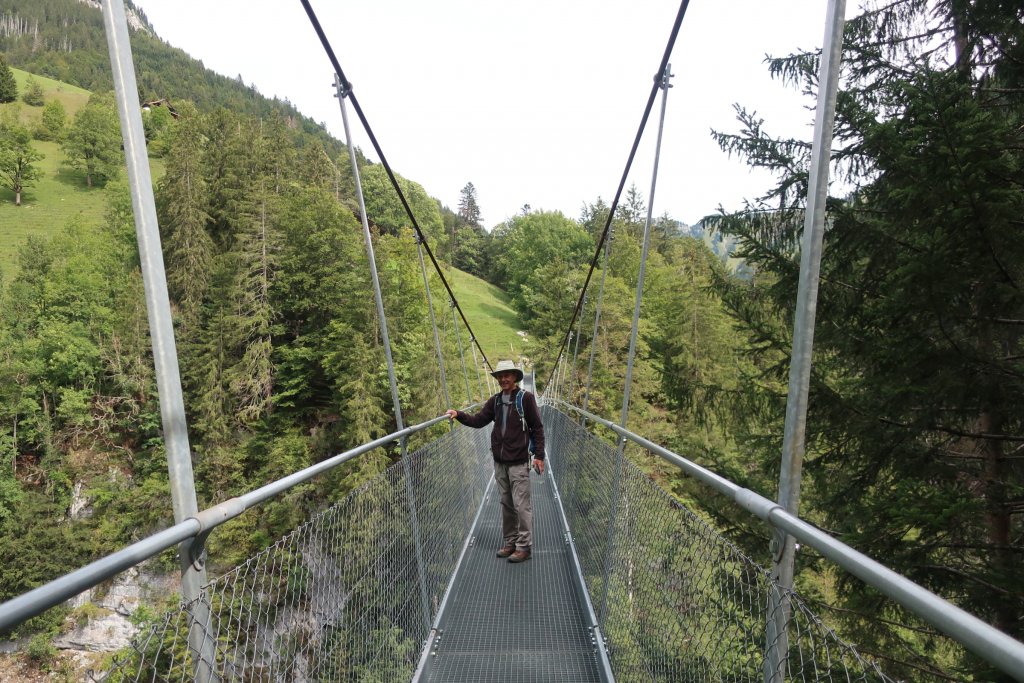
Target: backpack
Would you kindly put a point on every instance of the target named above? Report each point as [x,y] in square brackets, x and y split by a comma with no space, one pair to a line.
[522,416]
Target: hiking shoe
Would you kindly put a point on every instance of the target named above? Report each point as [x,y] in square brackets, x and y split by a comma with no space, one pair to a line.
[519,556]
[506,551]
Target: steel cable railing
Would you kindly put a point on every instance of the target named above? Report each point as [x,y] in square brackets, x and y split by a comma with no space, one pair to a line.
[684,603]
[337,599]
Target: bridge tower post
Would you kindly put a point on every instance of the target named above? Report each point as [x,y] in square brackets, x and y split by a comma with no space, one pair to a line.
[793,444]
[201,640]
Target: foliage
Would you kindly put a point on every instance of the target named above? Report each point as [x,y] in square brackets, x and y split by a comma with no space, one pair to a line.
[386,210]
[93,143]
[8,88]
[916,392]
[33,95]
[51,126]
[17,158]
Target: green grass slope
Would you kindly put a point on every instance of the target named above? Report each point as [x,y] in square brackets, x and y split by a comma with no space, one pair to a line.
[491,315]
[60,196]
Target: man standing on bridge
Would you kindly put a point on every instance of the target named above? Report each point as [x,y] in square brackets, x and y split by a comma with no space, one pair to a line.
[517,426]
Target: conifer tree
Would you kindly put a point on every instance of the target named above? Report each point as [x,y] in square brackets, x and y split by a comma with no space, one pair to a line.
[33,95]
[8,86]
[17,157]
[469,209]
[917,395]
[184,216]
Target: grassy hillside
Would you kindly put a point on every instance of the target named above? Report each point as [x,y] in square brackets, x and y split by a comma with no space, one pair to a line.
[72,97]
[488,310]
[60,195]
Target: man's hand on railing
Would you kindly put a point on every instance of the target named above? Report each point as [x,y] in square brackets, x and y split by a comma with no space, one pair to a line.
[451,414]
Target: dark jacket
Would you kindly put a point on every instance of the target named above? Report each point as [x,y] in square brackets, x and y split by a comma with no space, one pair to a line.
[512,447]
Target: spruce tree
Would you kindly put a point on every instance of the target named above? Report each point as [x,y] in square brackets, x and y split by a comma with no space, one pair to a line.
[917,393]
[469,209]
[8,86]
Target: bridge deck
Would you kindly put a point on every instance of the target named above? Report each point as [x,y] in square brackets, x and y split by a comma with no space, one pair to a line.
[516,622]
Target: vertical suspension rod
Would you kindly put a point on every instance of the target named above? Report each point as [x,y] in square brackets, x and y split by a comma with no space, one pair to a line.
[793,443]
[342,91]
[158,311]
[576,346]
[433,324]
[476,364]
[462,354]
[384,160]
[597,320]
[616,484]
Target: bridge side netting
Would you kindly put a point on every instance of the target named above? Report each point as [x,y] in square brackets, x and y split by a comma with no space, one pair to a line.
[684,603]
[339,597]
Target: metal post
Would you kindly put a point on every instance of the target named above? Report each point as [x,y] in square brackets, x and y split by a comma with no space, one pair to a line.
[158,310]
[609,554]
[597,320]
[783,549]
[433,324]
[342,91]
[568,365]
[462,353]
[579,329]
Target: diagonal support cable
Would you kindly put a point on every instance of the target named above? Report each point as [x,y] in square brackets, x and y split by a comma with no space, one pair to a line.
[351,96]
[629,164]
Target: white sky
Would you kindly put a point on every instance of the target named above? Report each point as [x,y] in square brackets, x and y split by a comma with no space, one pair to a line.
[535,102]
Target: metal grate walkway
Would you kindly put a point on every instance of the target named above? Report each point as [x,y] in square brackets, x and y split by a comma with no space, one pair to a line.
[516,623]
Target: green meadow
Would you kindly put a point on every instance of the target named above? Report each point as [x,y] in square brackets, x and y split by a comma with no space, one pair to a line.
[60,196]
[490,312]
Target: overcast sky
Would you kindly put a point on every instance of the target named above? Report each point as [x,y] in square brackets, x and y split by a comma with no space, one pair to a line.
[534,102]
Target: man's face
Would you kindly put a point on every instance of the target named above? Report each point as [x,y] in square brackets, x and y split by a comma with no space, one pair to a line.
[506,380]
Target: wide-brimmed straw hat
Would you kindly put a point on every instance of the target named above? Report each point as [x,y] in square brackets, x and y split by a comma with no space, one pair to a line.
[506,366]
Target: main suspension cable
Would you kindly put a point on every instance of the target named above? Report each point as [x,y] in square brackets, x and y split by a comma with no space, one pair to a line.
[655,87]
[348,92]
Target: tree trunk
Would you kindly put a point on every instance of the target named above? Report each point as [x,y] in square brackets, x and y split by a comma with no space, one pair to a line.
[997,517]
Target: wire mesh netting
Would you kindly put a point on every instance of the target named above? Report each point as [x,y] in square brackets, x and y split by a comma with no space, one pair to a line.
[341,598]
[683,604]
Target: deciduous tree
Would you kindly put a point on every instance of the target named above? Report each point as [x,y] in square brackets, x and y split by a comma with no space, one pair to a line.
[17,157]
[94,141]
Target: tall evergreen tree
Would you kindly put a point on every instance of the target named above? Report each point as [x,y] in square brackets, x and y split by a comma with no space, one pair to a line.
[184,215]
[469,209]
[917,392]
[8,86]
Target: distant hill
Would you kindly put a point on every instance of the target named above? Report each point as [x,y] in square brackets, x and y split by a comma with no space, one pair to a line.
[64,40]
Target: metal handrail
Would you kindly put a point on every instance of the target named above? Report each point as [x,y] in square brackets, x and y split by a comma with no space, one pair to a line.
[976,635]
[38,600]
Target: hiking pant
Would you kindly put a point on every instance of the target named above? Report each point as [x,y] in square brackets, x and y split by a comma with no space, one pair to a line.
[516,508]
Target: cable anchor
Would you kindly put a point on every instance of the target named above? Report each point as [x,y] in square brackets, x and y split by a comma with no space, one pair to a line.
[343,87]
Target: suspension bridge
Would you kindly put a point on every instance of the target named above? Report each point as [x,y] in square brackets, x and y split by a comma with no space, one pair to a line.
[399,580]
